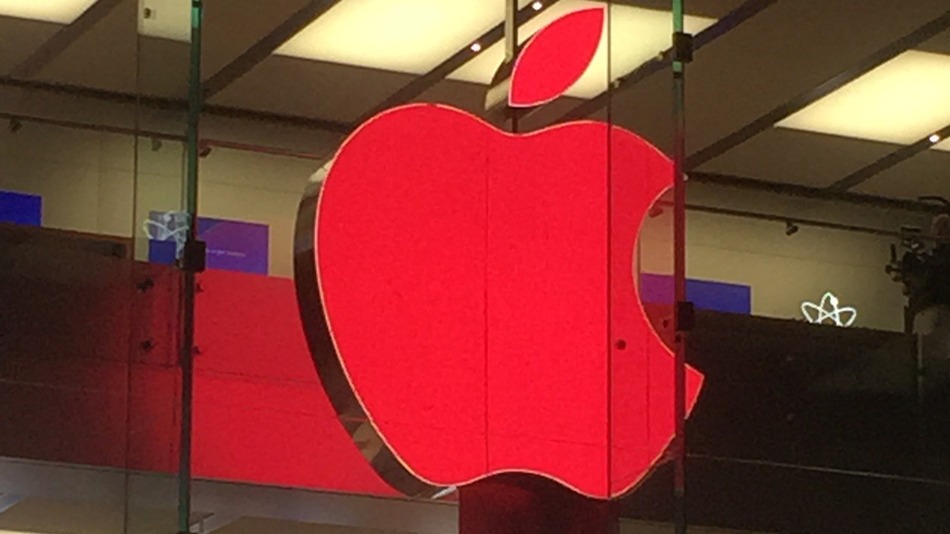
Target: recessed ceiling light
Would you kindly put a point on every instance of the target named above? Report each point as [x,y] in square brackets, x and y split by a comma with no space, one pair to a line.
[476,47]
[637,35]
[59,11]
[537,6]
[898,102]
[410,36]
[935,138]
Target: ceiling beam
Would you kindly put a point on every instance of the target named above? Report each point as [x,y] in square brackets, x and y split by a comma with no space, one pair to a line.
[816,223]
[880,165]
[63,39]
[812,193]
[423,83]
[168,104]
[724,25]
[799,102]
[266,46]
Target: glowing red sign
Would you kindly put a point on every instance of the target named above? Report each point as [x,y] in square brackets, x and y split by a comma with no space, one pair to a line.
[478,305]
[556,57]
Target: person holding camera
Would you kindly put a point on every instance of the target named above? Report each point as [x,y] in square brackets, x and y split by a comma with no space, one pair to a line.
[928,285]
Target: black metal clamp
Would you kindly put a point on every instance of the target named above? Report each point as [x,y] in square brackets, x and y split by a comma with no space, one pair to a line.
[682,47]
[685,316]
[193,258]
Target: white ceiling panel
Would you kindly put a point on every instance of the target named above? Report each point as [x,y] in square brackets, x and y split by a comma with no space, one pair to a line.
[410,36]
[166,19]
[636,36]
[902,101]
[60,11]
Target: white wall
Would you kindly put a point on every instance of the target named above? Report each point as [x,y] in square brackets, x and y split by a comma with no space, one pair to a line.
[782,270]
[90,182]
[93,182]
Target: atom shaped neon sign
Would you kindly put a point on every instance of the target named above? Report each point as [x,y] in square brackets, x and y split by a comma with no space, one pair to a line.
[829,310]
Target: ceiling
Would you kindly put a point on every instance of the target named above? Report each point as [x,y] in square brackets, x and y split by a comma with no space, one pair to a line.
[758,63]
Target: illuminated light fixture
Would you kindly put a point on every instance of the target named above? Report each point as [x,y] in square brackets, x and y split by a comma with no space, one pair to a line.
[537,6]
[476,47]
[899,102]
[934,138]
[828,311]
[59,11]
[411,36]
[637,35]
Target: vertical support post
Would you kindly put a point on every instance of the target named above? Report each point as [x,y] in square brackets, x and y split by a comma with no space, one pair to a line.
[188,264]
[679,266]
[519,503]
[511,30]
[511,46]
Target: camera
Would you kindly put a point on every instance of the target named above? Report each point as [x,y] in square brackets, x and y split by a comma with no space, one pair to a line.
[917,261]
[904,266]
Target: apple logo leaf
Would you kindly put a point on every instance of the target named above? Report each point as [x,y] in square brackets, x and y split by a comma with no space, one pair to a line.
[556,57]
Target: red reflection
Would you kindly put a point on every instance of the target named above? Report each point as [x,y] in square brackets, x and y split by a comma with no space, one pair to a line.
[260,412]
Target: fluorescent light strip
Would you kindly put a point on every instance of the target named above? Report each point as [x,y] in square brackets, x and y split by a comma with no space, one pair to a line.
[637,35]
[410,36]
[901,101]
[58,11]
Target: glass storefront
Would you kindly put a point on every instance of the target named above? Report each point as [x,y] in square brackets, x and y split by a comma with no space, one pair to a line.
[503,264]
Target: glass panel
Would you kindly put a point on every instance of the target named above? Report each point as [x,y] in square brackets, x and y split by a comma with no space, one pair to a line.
[803,218]
[88,328]
[252,182]
[159,193]
[537,232]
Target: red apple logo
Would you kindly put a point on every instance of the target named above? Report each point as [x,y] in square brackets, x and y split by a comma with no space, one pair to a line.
[470,297]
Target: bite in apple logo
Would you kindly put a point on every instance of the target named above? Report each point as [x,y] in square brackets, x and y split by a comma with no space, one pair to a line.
[468,294]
